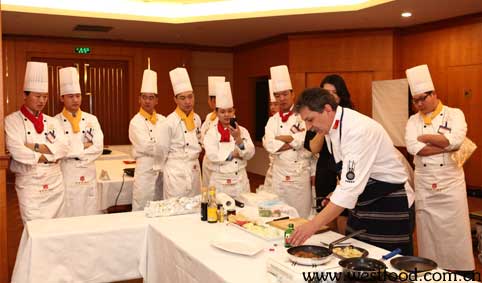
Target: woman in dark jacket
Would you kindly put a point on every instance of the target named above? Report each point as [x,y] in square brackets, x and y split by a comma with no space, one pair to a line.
[326,171]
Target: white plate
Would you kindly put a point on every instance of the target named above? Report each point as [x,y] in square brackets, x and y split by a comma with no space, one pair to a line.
[237,246]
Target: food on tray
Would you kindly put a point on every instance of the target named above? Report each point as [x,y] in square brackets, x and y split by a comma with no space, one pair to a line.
[263,231]
[306,254]
[238,219]
[347,252]
[268,212]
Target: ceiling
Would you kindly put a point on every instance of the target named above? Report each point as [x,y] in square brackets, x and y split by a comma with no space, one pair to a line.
[229,33]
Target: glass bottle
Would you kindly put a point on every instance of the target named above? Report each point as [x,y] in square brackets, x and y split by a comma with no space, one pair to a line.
[212,208]
[288,232]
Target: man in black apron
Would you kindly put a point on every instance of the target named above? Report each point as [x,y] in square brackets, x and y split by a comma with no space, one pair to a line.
[372,177]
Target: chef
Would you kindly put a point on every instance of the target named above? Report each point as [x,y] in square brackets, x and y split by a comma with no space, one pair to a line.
[443,227]
[210,121]
[86,142]
[273,109]
[37,143]
[284,136]
[228,148]
[372,176]
[144,130]
[179,141]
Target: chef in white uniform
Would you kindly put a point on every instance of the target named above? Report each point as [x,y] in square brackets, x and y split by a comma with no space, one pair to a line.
[443,227]
[37,143]
[227,148]
[284,137]
[372,176]
[144,130]
[210,122]
[273,109]
[179,141]
[86,142]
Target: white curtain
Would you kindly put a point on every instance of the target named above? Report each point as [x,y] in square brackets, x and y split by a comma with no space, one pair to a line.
[390,107]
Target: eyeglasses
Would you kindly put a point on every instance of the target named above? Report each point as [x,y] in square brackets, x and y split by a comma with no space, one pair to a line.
[148,97]
[421,99]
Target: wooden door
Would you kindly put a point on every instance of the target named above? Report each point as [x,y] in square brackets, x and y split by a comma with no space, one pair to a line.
[104,94]
[359,85]
[465,92]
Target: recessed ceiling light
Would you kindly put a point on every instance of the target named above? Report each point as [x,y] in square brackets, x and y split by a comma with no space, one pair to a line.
[406,14]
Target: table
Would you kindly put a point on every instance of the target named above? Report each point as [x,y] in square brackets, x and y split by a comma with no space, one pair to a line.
[107,190]
[115,155]
[174,253]
[96,248]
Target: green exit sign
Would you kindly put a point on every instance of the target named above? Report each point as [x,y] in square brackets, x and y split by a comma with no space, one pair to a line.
[82,50]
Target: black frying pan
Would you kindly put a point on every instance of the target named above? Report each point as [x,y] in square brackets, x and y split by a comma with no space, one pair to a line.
[362,267]
[413,263]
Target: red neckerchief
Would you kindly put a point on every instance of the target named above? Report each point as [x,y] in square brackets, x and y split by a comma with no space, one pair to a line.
[285,118]
[224,133]
[38,122]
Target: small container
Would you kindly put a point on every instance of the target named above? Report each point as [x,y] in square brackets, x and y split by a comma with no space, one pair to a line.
[220,213]
[288,232]
[231,211]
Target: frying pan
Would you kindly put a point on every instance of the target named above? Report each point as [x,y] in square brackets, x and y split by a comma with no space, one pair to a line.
[323,254]
[413,263]
[362,267]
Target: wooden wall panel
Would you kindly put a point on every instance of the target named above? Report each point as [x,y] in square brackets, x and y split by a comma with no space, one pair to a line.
[3,182]
[359,85]
[360,57]
[249,64]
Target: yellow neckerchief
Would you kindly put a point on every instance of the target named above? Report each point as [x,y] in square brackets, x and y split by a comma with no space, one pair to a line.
[213,116]
[187,119]
[427,119]
[152,118]
[74,121]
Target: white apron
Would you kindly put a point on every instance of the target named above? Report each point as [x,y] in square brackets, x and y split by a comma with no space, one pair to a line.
[291,183]
[80,188]
[182,178]
[41,195]
[147,183]
[268,179]
[442,216]
[206,171]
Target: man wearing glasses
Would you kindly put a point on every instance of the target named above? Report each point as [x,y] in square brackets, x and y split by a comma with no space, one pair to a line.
[442,214]
[144,135]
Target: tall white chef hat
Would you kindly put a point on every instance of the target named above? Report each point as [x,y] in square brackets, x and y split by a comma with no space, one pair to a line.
[212,81]
[36,77]
[271,95]
[419,79]
[149,82]
[280,78]
[224,98]
[180,80]
[69,81]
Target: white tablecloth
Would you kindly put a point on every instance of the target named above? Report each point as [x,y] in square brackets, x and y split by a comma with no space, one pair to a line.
[107,190]
[178,250]
[98,248]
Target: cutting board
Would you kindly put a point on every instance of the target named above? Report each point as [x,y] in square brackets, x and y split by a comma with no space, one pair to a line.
[283,224]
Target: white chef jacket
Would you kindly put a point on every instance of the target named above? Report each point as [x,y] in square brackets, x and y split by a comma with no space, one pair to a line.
[78,166]
[179,150]
[450,117]
[365,150]
[39,186]
[291,168]
[206,166]
[144,137]
[229,176]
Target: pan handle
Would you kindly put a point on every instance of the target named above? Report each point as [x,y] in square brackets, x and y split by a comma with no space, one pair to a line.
[332,244]
[391,254]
